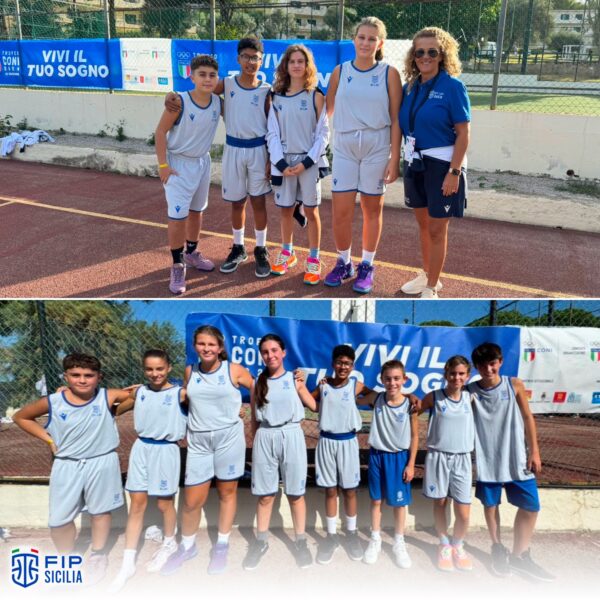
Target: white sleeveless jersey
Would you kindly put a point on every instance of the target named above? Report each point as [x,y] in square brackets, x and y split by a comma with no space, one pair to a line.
[283,403]
[245,116]
[194,131]
[451,428]
[390,427]
[82,430]
[214,402]
[159,415]
[500,450]
[337,408]
[361,100]
[297,118]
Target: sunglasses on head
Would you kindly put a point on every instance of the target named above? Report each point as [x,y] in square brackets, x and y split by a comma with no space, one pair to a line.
[432,53]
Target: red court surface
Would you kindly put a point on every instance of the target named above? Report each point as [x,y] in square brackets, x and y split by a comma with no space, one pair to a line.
[68,232]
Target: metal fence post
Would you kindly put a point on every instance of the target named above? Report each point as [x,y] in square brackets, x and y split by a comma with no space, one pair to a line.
[526,38]
[19,26]
[341,19]
[106,18]
[213,22]
[498,57]
[49,365]
[493,312]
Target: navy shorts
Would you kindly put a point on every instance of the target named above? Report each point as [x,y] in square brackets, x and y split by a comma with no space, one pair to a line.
[386,472]
[423,189]
[522,494]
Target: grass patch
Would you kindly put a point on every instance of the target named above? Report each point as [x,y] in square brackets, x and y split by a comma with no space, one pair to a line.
[586,187]
[558,104]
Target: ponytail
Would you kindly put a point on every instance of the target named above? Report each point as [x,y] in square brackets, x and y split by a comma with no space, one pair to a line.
[260,389]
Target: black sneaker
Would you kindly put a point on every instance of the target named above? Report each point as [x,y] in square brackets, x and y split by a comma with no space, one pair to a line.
[327,548]
[236,257]
[302,554]
[263,266]
[353,545]
[299,215]
[256,551]
[524,564]
[500,565]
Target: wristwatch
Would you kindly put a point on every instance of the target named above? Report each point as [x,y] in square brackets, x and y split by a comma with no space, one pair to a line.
[454,171]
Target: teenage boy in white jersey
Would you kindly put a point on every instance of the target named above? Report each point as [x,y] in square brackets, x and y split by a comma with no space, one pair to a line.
[507,456]
[183,141]
[246,169]
[83,437]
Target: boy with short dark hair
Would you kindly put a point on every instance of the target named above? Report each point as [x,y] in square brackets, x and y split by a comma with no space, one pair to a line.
[183,140]
[83,437]
[507,456]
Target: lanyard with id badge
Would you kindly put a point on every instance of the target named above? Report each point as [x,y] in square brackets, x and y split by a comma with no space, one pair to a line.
[410,152]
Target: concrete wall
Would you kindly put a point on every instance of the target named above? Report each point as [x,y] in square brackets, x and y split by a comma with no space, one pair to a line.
[534,144]
[562,510]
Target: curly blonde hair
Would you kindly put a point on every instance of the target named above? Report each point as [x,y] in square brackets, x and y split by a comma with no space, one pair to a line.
[381,31]
[449,47]
[282,78]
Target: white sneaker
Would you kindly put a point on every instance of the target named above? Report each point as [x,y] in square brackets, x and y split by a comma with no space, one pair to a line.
[121,579]
[418,284]
[160,557]
[401,555]
[372,552]
[429,293]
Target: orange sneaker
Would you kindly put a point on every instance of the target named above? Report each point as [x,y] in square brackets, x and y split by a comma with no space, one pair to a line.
[312,271]
[462,561]
[444,559]
[284,261]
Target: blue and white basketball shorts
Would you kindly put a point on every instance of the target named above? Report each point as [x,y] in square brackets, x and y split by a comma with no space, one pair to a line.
[337,463]
[279,450]
[244,172]
[91,482]
[386,472]
[359,161]
[154,468]
[424,189]
[220,454]
[305,187]
[522,494]
[188,190]
[448,475]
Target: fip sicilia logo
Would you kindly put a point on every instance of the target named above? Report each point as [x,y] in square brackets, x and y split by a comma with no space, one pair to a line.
[55,568]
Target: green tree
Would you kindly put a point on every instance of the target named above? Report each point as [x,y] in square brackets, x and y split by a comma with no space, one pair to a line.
[275,24]
[39,20]
[509,317]
[516,21]
[575,317]
[166,18]
[593,18]
[438,323]
[86,23]
[563,38]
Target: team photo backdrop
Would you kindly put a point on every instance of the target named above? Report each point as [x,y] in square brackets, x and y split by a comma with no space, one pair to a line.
[560,367]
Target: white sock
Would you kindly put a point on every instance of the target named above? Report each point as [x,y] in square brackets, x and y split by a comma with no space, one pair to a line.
[238,236]
[399,538]
[261,237]
[129,560]
[331,524]
[168,540]
[368,257]
[345,255]
[188,541]
[376,535]
[351,523]
[223,538]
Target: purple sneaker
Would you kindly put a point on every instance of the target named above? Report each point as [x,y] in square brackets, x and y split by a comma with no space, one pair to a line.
[177,559]
[218,559]
[364,279]
[195,259]
[177,281]
[339,273]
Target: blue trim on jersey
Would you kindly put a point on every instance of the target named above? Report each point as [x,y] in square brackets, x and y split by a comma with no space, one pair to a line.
[387,87]
[240,200]
[196,211]
[343,191]
[245,143]
[209,372]
[451,399]
[245,88]
[364,70]
[328,435]
[198,105]
[49,413]
[147,440]
[288,96]
[63,394]
[478,382]
[199,483]
[276,378]
[181,113]
[374,195]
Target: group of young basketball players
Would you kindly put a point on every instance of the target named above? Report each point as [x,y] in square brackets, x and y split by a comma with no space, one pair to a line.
[276,139]
[490,415]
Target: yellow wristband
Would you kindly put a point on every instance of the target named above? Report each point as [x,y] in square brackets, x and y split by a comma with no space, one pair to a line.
[50,441]
[163,165]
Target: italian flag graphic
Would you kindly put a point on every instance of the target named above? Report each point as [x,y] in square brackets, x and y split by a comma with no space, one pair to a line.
[595,354]
[154,54]
[184,70]
[528,354]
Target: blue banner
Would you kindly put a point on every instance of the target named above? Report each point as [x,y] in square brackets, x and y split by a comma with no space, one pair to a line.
[10,64]
[71,63]
[423,350]
[225,52]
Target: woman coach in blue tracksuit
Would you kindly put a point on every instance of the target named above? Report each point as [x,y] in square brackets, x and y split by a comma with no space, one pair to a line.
[434,118]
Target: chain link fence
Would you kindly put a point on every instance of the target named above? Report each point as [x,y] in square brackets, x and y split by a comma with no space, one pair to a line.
[35,335]
[549,60]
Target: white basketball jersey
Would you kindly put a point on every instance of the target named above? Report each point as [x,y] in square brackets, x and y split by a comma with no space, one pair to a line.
[337,408]
[390,427]
[245,116]
[451,428]
[159,415]
[283,403]
[297,118]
